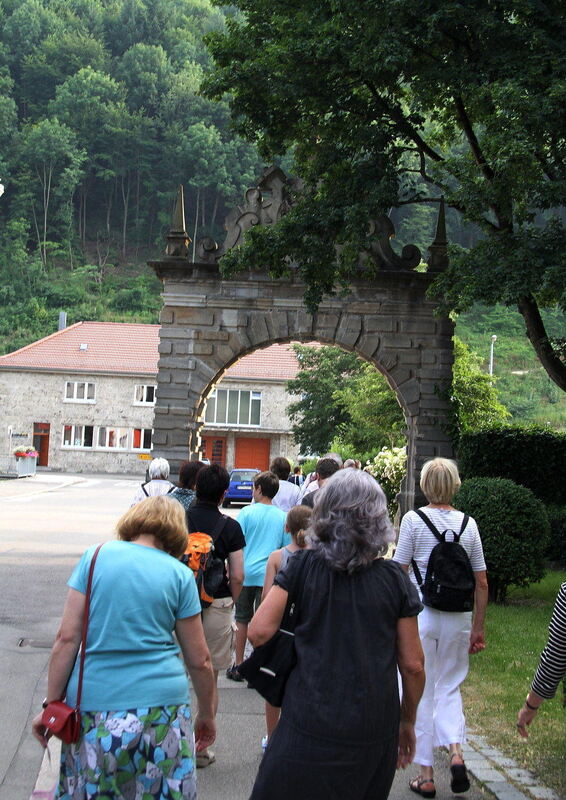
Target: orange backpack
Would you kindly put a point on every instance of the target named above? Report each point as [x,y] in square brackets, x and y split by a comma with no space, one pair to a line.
[200,557]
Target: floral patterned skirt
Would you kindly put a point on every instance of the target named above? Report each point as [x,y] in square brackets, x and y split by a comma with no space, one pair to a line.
[140,754]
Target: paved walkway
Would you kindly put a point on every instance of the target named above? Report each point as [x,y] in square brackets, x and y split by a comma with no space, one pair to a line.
[238,753]
[241,726]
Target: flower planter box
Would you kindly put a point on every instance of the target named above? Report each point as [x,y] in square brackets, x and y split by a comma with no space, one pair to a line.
[25,466]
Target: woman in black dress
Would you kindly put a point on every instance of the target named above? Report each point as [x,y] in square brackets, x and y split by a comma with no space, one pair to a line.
[343,730]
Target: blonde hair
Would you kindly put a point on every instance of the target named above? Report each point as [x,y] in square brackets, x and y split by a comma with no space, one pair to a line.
[162,517]
[440,480]
[297,522]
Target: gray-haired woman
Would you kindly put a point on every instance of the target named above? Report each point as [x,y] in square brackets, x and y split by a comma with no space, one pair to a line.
[342,730]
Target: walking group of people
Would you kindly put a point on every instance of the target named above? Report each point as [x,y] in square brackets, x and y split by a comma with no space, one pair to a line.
[356,705]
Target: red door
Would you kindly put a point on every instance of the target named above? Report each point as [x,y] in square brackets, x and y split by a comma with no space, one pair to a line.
[214,448]
[252,453]
[41,442]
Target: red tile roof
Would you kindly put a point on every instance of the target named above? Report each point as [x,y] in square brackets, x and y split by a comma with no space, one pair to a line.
[110,347]
[122,347]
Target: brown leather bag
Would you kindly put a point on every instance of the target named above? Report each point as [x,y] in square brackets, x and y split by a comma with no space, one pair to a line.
[59,719]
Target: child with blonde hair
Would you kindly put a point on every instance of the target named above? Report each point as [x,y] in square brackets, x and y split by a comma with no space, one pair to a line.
[297,522]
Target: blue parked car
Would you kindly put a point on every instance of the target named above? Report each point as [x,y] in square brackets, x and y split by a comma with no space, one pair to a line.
[241,486]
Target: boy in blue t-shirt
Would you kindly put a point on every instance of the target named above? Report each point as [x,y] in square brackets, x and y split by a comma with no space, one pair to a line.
[263,525]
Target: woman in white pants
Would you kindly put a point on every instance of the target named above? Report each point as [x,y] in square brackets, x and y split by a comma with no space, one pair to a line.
[448,637]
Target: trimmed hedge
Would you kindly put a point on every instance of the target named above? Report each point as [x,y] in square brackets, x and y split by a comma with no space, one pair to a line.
[556,549]
[514,529]
[532,457]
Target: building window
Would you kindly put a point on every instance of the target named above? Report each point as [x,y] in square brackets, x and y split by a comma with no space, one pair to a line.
[115,438]
[144,395]
[78,435]
[141,439]
[233,407]
[79,392]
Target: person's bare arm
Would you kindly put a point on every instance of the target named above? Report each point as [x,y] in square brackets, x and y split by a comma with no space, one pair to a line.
[477,636]
[410,660]
[190,635]
[63,655]
[267,618]
[271,570]
[236,573]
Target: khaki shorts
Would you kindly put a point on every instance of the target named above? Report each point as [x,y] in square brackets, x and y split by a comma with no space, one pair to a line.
[219,629]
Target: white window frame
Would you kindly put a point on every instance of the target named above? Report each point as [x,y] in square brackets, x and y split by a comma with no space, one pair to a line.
[122,433]
[144,387]
[77,442]
[142,449]
[75,391]
[253,396]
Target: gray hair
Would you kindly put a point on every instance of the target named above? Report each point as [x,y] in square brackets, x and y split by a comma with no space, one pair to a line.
[336,457]
[159,468]
[350,526]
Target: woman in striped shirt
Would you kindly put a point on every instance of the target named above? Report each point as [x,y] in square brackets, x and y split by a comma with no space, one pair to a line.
[551,668]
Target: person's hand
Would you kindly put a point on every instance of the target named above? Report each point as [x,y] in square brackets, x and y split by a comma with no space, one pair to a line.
[524,719]
[407,744]
[39,730]
[477,642]
[205,732]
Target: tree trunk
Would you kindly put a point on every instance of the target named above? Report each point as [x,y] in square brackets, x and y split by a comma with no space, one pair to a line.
[555,368]
[196,225]
[214,212]
[125,201]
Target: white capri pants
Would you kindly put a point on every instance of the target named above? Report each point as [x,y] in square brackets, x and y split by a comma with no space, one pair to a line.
[445,637]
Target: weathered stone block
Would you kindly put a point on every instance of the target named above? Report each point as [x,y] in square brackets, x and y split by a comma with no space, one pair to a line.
[172,391]
[164,376]
[396,341]
[257,330]
[418,325]
[164,347]
[326,324]
[159,438]
[379,323]
[410,391]
[349,329]
[213,336]
[367,345]
[229,317]
[166,316]
[194,316]
[181,348]
[201,348]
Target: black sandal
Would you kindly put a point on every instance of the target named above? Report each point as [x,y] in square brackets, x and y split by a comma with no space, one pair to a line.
[460,781]
[416,786]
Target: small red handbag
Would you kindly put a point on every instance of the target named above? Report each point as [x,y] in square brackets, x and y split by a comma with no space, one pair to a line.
[59,719]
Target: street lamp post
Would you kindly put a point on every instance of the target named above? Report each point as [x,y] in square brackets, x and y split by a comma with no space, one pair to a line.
[493,340]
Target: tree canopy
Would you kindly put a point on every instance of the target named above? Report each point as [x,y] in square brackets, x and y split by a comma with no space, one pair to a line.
[346,404]
[392,103]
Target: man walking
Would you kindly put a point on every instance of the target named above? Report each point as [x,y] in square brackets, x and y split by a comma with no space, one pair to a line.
[204,516]
[288,493]
[263,525]
[325,469]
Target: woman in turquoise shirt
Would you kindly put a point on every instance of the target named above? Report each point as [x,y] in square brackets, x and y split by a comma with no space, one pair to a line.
[136,732]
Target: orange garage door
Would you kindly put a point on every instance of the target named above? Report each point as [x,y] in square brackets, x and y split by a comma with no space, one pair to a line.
[214,448]
[252,453]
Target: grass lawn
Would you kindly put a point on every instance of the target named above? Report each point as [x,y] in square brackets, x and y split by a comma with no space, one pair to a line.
[501,676]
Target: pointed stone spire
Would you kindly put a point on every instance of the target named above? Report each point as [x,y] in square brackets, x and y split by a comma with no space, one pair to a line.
[178,240]
[438,251]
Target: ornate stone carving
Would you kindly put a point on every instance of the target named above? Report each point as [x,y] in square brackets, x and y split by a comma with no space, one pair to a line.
[381,231]
[178,240]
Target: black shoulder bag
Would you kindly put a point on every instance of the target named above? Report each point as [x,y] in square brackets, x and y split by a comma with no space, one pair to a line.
[269,666]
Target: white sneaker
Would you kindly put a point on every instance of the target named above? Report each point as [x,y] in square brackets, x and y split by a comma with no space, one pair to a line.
[264,743]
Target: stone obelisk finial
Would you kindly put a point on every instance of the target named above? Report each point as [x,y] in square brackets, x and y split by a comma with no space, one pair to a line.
[438,251]
[178,240]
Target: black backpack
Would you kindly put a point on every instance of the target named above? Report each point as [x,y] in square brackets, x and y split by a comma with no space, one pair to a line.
[450,582]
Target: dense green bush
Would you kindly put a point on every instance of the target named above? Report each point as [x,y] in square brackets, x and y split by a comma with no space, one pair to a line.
[514,529]
[556,549]
[533,457]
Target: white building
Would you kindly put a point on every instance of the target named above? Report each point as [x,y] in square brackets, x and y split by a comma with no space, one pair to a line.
[84,398]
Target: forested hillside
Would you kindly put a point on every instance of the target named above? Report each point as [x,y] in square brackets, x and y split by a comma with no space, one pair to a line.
[100,120]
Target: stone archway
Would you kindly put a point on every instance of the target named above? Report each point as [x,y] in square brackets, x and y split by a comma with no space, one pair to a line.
[208,322]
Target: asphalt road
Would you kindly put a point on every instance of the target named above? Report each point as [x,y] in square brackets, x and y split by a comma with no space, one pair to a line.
[44,528]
